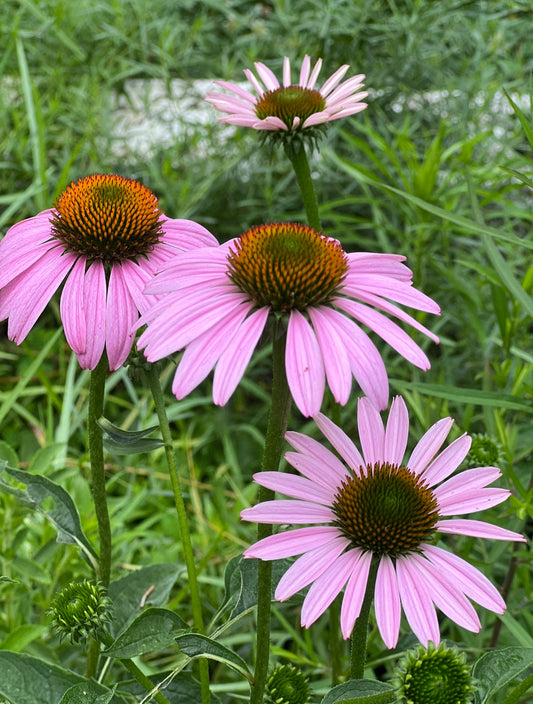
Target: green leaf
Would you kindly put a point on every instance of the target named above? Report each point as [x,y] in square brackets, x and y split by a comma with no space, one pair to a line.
[475,396]
[180,688]
[150,585]
[63,515]
[361,692]
[21,636]
[89,693]
[128,442]
[28,680]
[8,454]
[153,630]
[195,645]
[496,669]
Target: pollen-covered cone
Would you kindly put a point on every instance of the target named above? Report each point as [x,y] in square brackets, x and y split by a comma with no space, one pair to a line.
[372,507]
[215,304]
[105,238]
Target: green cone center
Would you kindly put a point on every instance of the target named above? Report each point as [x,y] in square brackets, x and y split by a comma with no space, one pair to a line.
[288,102]
[387,510]
[287,266]
[107,217]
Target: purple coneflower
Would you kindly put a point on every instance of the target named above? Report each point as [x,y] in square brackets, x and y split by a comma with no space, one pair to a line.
[215,304]
[106,236]
[289,107]
[376,506]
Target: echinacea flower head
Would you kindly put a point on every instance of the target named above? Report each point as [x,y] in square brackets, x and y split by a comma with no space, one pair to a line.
[216,301]
[376,508]
[439,675]
[289,107]
[105,237]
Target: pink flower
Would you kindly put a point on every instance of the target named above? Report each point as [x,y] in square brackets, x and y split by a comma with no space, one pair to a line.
[216,302]
[105,238]
[289,106]
[374,507]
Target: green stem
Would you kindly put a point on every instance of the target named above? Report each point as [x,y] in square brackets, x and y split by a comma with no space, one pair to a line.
[188,554]
[360,631]
[139,675]
[296,153]
[277,425]
[98,490]
[517,692]
[335,641]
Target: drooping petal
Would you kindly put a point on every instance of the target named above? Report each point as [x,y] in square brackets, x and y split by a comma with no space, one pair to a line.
[416,602]
[355,592]
[387,603]
[71,308]
[94,309]
[309,567]
[467,578]
[304,365]
[326,587]
[292,542]
[121,314]
[334,355]
[233,361]
[186,234]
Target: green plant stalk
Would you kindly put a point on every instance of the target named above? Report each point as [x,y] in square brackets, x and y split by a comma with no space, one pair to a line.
[295,150]
[277,425]
[360,631]
[519,690]
[188,554]
[98,489]
[139,675]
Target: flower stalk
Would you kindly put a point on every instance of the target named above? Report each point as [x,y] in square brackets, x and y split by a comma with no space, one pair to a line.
[159,403]
[360,630]
[277,425]
[295,150]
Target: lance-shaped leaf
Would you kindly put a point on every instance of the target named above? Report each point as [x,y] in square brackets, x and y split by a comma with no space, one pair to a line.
[496,669]
[195,645]
[63,514]
[153,630]
[90,693]
[361,692]
[127,442]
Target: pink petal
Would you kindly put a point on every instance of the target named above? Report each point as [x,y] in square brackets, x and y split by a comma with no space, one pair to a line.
[292,542]
[304,365]
[467,578]
[286,72]
[387,603]
[394,290]
[314,75]
[477,529]
[315,470]
[371,431]
[448,460]
[316,451]
[233,361]
[309,567]
[94,309]
[479,500]
[267,76]
[334,355]
[121,314]
[25,297]
[135,277]
[333,80]
[396,432]
[470,480]
[304,71]
[429,444]
[295,486]
[288,511]
[341,442]
[326,587]
[355,592]
[417,603]
[72,310]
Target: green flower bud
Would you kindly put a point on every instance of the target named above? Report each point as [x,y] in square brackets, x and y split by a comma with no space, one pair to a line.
[484,452]
[437,675]
[287,685]
[80,610]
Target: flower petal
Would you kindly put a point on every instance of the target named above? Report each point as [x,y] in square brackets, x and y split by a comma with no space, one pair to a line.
[94,310]
[304,364]
[387,603]
[477,529]
[371,432]
[428,445]
[334,354]
[396,432]
[295,486]
[354,593]
[288,511]
[121,314]
[292,542]
[448,460]
[416,602]
[341,442]
[316,451]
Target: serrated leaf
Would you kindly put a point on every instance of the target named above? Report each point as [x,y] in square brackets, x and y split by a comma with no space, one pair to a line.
[128,442]
[28,680]
[195,645]
[153,630]
[361,692]
[149,585]
[497,668]
[89,692]
[64,515]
